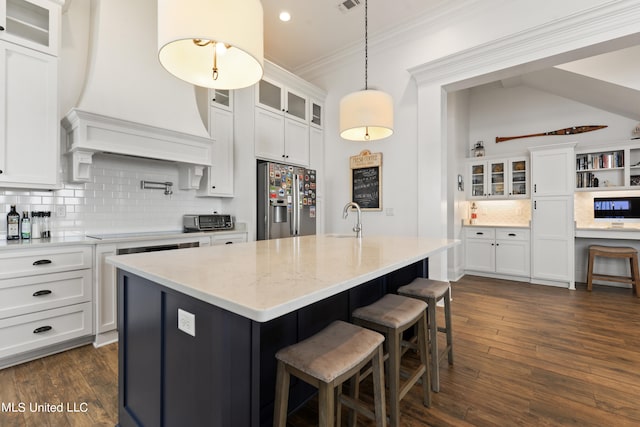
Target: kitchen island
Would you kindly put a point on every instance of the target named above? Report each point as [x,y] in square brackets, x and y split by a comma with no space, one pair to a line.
[199,327]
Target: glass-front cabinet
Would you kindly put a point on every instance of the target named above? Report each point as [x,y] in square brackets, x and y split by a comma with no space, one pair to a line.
[499,178]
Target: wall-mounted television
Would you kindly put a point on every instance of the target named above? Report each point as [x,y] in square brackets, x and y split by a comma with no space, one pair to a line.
[616,209]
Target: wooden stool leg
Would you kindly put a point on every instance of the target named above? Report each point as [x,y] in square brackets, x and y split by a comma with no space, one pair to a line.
[590,271]
[282,396]
[423,348]
[326,406]
[433,344]
[635,274]
[354,387]
[394,378]
[378,388]
[447,320]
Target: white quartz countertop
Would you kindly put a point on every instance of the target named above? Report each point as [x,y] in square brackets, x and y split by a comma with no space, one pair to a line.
[608,233]
[111,238]
[498,226]
[265,279]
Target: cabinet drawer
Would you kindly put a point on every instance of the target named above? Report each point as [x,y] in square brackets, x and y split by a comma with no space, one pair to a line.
[512,234]
[229,238]
[480,233]
[42,292]
[43,261]
[32,331]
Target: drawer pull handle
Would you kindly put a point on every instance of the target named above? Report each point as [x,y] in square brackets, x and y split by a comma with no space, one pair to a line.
[42,329]
[479,233]
[228,243]
[42,262]
[41,293]
[512,234]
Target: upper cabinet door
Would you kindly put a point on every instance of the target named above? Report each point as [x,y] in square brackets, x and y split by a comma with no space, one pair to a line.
[278,98]
[518,177]
[552,171]
[498,179]
[221,98]
[31,23]
[29,127]
[269,95]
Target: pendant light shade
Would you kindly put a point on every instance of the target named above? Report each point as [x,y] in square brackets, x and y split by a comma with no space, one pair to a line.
[366,115]
[212,43]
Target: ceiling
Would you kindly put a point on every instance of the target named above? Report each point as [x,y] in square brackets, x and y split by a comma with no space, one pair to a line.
[318,28]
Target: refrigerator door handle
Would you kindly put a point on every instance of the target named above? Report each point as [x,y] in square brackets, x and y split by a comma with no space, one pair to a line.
[295,206]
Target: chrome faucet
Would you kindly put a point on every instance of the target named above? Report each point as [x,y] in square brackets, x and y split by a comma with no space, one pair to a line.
[358,227]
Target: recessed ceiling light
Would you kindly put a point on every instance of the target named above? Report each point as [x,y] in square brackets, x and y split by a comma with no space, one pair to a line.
[285,16]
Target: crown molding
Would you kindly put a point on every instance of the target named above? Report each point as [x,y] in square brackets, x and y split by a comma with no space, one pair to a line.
[614,20]
[440,15]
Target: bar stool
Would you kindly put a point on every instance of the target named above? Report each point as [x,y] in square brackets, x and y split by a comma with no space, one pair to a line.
[614,252]
[432,291]
[327,359]
[391,315]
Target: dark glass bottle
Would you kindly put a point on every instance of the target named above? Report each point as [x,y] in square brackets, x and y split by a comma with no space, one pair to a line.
[13,224]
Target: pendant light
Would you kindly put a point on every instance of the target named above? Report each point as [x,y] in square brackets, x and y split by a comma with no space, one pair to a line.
[212,43]
[366,115]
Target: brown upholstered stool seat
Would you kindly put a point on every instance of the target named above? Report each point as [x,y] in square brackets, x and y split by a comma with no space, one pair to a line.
[391,315]
[432,291]
[327,359]
[622,252]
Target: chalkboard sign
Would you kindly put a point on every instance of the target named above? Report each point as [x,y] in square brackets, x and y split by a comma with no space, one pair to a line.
[366,179]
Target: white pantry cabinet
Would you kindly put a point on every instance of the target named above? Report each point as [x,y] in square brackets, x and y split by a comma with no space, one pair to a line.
[552,225]
[497,251]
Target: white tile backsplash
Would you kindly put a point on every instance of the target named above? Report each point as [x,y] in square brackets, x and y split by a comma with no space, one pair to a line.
[502,212]
[114,200]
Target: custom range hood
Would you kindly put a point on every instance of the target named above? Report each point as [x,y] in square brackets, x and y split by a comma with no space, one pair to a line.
[129,104]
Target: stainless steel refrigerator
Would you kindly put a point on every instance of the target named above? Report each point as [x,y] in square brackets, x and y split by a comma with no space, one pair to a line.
[286,201]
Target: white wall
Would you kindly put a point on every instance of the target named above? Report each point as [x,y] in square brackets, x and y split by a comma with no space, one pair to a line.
[520,110]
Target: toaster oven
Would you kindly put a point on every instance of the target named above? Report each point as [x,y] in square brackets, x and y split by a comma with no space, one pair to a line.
[207,222]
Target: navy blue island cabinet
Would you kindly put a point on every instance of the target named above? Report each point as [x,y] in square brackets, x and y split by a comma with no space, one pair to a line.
[224,376]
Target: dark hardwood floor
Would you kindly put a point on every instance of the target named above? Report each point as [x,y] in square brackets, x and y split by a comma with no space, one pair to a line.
[525,355]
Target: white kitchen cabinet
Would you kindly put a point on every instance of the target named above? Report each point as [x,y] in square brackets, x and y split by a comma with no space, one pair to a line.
[497,251]
[29,146]
[498,178]
[316,111]
[552,170]
[280,138]
[552,225]
[46,299]
[106,294]
[217,180]
[221,98]
[553,240]
[31,23]
[280,99]
[228,238]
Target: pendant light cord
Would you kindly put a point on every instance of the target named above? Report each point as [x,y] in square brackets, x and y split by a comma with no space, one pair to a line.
[366,44]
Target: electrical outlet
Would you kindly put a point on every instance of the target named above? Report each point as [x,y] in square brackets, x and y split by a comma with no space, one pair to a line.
[61,210]
[187,322]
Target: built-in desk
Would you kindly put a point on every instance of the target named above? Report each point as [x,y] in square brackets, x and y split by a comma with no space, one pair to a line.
[586,237]
[608,233]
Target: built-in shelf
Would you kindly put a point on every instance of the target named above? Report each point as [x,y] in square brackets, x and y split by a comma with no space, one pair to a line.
[608,169]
